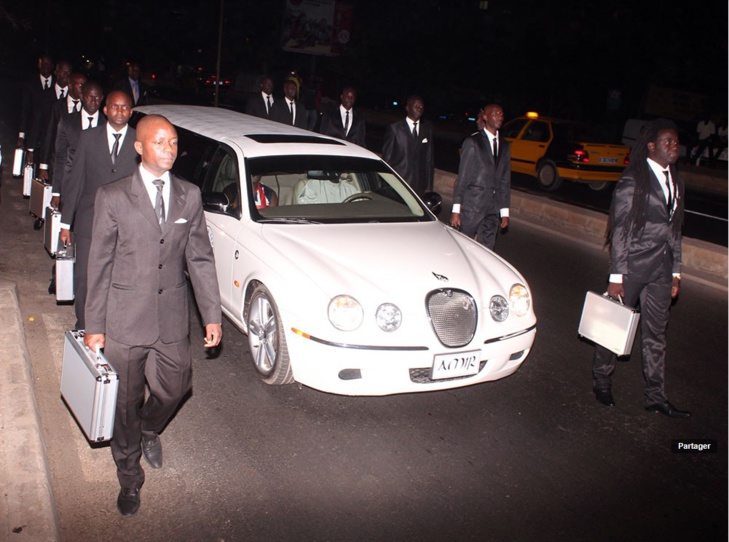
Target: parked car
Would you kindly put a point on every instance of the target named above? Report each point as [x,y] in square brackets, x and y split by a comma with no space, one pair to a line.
[553,150]
[347,283]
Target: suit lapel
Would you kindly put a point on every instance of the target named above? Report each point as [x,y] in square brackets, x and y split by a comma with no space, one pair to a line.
[140,199]
[177,200]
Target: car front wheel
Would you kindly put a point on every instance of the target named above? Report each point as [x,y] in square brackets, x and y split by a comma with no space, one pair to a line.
[266,339]
[598,186]
[547,177]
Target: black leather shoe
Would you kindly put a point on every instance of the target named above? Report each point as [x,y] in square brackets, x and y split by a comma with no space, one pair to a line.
[128,501]
[604,397]
[667,409]
[152,451]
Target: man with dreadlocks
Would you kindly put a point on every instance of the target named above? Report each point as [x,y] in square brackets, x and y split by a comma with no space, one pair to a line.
[644,234]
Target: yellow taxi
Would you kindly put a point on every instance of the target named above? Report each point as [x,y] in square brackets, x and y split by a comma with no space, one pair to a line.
[553,150]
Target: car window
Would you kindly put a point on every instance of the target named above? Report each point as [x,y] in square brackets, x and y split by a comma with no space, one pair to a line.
[512,128]
[329,189]
[194,156]
[536,131]
[222,178]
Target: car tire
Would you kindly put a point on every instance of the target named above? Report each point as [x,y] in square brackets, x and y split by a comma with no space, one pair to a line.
[598,186]
[266,339]
[547,176]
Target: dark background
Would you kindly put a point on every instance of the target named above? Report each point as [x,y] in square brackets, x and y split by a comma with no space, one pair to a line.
[560,58]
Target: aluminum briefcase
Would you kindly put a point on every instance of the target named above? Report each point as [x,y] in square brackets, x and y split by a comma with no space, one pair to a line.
[18,163]
[608,323]
[89,386]
[65,261]
[40,198]
[28,175]
[52,230]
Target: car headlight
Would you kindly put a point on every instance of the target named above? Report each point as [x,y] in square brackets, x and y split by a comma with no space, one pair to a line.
[499,308]
[520,299]
[388,317]
[345,313]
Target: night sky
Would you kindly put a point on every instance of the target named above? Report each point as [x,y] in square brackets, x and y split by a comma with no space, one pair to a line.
[561,56]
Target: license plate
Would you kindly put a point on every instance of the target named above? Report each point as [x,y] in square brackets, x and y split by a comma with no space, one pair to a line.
[607,160]
[455,365]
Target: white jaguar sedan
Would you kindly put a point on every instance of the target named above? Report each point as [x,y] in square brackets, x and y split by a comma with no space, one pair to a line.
[343,279]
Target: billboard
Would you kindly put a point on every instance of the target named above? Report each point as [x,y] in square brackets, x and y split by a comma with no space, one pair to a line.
[316,27]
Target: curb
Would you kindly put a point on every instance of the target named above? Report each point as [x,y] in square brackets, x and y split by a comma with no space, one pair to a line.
[27,509]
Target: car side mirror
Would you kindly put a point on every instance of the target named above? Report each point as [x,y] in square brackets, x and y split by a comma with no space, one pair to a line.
[433,201]
[215,202]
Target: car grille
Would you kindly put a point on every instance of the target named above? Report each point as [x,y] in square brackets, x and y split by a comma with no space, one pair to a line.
[453,316]
[422,376]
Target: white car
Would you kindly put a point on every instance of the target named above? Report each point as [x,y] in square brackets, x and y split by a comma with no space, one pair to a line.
[343,280]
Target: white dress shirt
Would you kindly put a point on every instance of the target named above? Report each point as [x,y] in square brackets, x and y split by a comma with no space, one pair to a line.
[148,178]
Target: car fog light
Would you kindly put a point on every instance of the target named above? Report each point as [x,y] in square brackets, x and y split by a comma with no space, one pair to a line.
[345,313]
[388,317]
[499,308]
[520,300]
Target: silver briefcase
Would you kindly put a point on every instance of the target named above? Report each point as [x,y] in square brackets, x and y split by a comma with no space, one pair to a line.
[608,323]
[65,261]
[40,198]
[28,175]
[89,387]
[52,230]
[18,163]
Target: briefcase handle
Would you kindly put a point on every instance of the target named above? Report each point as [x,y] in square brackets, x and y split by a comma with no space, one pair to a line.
[619,299]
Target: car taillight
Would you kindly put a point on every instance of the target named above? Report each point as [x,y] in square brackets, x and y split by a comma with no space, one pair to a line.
[627,159]
[579,155]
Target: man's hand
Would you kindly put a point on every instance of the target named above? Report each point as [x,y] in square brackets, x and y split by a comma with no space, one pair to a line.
[65,237]
[504,222]
[43,174]
[455,220]
[29,157]
[94,341]
[675,287]
[213,334]
[56,202]
[615,290]
[21,143]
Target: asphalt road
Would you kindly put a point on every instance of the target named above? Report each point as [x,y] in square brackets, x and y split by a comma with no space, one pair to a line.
[530,457]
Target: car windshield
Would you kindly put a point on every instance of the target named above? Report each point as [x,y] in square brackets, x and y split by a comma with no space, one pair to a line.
[329,189]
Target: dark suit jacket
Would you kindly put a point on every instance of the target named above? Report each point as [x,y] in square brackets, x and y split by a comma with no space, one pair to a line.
[484,186]
[280,113]
[331,125]
[137,292]
[256,106]
[643,256]
[34,111]
[126,86]
[69,129]
[412,159]
[91,168]
[59,109]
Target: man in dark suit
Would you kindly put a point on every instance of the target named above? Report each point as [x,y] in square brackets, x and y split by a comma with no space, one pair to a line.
[61,108]
[343,122]
[646,216]
[149,229]
[261,104]
[103,154]
[69,129]
[482,193]
[38,96]
[408,147]
[133,86]
[289,110]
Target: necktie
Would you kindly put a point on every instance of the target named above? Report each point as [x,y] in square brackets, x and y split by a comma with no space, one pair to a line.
[670,192]
[135,90]
[48,84]
[268,107]
[291,110]
[159,202]
[91,123]
[346,123]
[115,149]
[62,94]
[415,129]
[75,105]
[496,148]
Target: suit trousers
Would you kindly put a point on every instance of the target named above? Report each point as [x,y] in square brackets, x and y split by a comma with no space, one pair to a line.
[167,371]
[482,223]
[655,305]
[80,273]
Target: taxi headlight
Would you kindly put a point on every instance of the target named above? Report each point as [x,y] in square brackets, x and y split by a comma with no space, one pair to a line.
[388,317]
[499,308]
[520,300]
[345,313]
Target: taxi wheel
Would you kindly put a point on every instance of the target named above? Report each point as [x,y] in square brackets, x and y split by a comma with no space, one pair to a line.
[266,339]
[547,177]
[598,186]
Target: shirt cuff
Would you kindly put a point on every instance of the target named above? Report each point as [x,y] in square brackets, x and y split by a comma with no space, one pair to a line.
[21,135]
[43,166]
[456,208]
[616,278]
[65,226]
[504,212]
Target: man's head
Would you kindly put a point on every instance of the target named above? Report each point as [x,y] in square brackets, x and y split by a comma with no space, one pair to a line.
[348,97]
[266,84]
[45,65]
[493,117]
[134,70]
[62,73]
[290,90]
[118,109]
[76,85]
[156,143]
[663,149]
[415,107]
[91,97]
